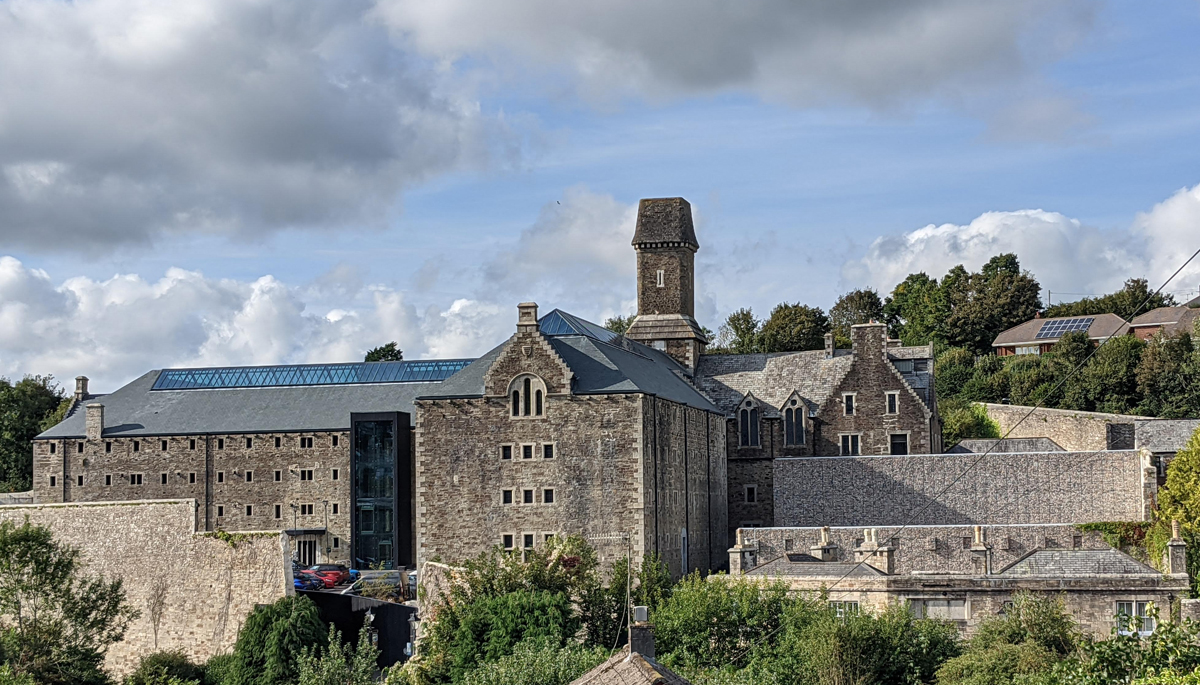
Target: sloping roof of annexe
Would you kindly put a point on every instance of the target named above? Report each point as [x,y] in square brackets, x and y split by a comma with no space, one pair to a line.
[137,409]
[604,363]
[1059,563]
[1103,326]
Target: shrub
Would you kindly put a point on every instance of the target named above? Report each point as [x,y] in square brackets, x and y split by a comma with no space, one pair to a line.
[1000,664]
[538,662]
[340,665]
[218,670]
[156,668]
[269,645]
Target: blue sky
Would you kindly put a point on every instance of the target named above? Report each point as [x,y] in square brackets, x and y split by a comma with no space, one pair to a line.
[1090,112]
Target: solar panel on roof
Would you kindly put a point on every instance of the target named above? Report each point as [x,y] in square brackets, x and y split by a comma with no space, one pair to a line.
[416,371]
[1057,328]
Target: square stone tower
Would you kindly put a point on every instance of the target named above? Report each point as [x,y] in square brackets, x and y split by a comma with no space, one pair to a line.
[666,246]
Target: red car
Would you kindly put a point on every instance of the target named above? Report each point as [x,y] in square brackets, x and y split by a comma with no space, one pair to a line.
[336,572]
[328,582]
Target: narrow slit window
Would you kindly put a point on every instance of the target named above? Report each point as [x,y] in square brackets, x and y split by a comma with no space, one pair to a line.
[79,481]
[162,479]
[220,476]
[249,476]
[53,448]
[516,403]
[192,444]
[220,443]
[525,406]
[660,278]
[137,446]
[893,402]
[278,511]
[278,442]
[249,443]
[108,479]
[537,404]
[192,477]
[163,445]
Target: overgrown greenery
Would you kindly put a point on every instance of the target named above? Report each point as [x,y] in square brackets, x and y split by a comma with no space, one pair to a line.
[56,622]
[388,352]
[538,662]
[339,664]
[161,668]
[27,408]
[271,642]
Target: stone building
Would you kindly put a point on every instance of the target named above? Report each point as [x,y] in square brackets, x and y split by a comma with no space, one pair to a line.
[967,573]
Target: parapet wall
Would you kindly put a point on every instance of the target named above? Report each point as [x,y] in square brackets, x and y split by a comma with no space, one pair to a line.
[212,583]
[1072,430]
[960,489]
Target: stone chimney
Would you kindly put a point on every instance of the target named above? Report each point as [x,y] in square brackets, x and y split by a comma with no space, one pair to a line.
[826,550]
[868,339]
[742,555]
[829,346]
[981,558]
[81,389]
[870,552]
[1176,555]
[527,317]
[641,633]
[95,421]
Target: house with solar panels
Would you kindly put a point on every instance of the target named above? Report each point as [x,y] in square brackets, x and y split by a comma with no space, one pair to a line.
[1038,336]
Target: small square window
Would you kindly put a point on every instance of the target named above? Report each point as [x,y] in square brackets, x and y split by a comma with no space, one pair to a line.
[966,542]
[527,496]
[192,444]
[506,497]
[527,451]
[898,443]
[507,540]
[108,479]
[278,441]
[278,511]
[249,476]
[192,477]
[335,508]
[548,496]
[249,510]
[527,540]
[220,443]
[53,447]
[220,476]
[278,476]
[162,478]
[335,444]
[547,451]
[137,445]
[79,481]
[334,474]
[108,447]
[162,444]
[506,452]
[547,537]
[53,481]
[751,494]
[220,510]
[249,443]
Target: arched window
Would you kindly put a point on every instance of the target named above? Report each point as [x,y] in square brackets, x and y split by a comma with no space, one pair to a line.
[793,423]
[748,425]
[528,395]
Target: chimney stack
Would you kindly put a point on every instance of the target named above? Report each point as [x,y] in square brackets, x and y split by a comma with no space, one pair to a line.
[81,389]
[829,345]
[95,421]
[527,317]
[1176,555]
[641,633]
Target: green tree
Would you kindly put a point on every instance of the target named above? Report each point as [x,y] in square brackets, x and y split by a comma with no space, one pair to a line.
[25,407]
[538,662]
[916,310]
[339,664]
[1133,299]
[603,608]
[854,307]
[389,352]
[57,622]
[159,667]
[619,324]
[794,327]
[739,334]
[1166,377]
[269,645]
[983,304]
[1179,499]
[488,628]
[1109,381]
[962,419]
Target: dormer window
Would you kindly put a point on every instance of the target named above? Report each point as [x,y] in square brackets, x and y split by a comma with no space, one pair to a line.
[748,424]
[793,423]
[527,396]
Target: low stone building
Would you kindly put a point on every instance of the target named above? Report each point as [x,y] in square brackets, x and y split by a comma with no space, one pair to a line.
[966,574]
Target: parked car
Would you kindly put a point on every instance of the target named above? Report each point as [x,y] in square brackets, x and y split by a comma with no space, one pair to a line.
[386,585]
[308,581]
[327,583]
[339,573]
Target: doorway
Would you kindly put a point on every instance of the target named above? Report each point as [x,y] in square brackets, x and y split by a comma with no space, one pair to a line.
[306,552]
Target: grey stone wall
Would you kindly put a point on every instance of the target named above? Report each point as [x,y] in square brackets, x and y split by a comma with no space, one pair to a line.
[1072,430]
[1055,487]
[228,477]
[212,585]
[676,296]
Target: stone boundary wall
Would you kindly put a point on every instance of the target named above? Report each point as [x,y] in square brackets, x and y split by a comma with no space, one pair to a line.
[212,584]
[1072,430]
[959,489]
[926,549]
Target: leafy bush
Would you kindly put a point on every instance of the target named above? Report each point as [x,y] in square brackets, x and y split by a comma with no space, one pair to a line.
[340,665]
[490,627]
[157,668]
[270,643]
[962,420]
[218,670]
[602,608]
[538,662]
[1000,664]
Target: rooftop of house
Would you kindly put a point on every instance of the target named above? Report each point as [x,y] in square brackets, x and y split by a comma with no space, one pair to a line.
[624,668]
[1077,562]
[1039,331]
[1173,320]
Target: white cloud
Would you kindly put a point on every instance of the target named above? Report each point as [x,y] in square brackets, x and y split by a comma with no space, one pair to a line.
[1064,254]
[124,119]
[877,52]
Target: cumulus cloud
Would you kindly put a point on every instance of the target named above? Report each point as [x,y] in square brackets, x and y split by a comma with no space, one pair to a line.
[124,119]
[876,52]
[1064,254]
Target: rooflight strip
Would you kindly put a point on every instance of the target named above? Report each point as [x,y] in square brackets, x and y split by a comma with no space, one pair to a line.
[309,374]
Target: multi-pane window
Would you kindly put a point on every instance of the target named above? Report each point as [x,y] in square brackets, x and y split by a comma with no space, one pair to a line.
[527,395]
[507,540]
[1133,618]
[547,451]
[893,403]
[898,443]
[335,444]
[848,403]
[306,474]
[793,424]
[748,426]
[306,443]
[850,444]
[135,479]
[527,451]
[843,608]
[548,496]
[506,452]
[751,494]
[506,497]
[306,510]
[527,496]
[948,609]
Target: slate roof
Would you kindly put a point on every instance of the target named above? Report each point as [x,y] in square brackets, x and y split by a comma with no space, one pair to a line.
[136,410]
[1174,320]
[665,220]
[1005,446]
[624,668]
[1163,436]
[603,364]
[771,378]
[1077,562]
[786,566]
[1103,326]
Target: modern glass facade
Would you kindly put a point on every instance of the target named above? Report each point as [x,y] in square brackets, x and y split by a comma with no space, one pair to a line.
[374,528]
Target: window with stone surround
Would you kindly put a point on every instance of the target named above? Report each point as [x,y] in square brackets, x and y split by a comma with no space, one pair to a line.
[107,447]
[506,540]
[548,496]
[53,481]
[793,423]
[527,540]
[506,497]
[850,444]
[661,278]
[306,474]
[278,475]
[333,474]
[278,511]
[893,403]
[337,542]
[1133,618]
[108,479]
[527,496]
[527,395]
[848,403]
[335,441]
[162,479]
[548,451]
[220,510]
[220,443]
[306,443]
[192,477]
[527,451]
[79,481]
[135,479]
[506,452]
[748,426]
[220,476]
[898,443]
[751,494]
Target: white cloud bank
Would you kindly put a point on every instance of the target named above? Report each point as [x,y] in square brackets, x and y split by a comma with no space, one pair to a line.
[1064,254]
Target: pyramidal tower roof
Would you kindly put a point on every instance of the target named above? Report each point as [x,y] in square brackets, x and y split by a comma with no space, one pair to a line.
[665,221]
